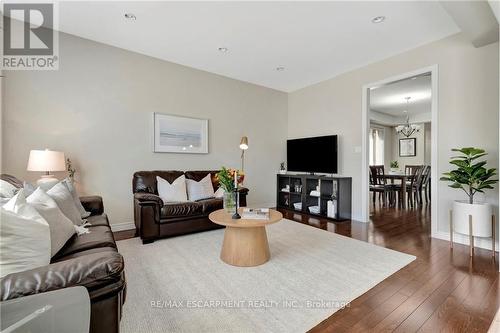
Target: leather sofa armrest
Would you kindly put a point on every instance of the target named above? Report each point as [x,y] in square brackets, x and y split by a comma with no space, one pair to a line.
[148,197]
[93,204]
[93,271]
[243,190]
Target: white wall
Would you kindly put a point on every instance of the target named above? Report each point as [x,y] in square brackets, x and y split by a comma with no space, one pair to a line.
[98,108]
[468,108]
[427,143]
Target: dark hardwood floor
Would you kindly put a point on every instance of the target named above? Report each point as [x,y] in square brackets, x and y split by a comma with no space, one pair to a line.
[443,290]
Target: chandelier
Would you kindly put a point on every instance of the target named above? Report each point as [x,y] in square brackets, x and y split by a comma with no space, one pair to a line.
[407,129]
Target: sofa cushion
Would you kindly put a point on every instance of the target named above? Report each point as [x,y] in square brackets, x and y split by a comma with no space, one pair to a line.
[210,205]
[145,181]
[99,236]
[181,209]
[84,253]
[94,271]
[98,220]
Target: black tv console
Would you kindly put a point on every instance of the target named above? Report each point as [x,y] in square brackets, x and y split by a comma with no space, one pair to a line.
[302,195]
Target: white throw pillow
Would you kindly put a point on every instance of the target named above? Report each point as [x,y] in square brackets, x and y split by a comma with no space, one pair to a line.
[200,190]
[28,188]
[64,200]
[61,228]
[219,193]
[83,213]
[48,184]
[7,190]
[175,192]
[24,237]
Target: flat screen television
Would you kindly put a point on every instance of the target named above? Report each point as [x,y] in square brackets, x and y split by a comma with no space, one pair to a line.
[316,154]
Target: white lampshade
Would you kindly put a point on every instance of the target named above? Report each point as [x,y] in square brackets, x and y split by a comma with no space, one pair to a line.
[46,160]
[244,143]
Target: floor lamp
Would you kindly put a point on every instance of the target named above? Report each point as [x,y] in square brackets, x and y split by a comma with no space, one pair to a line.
[243,147]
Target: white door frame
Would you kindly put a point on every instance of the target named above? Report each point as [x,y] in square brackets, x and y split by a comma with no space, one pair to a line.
[365,123]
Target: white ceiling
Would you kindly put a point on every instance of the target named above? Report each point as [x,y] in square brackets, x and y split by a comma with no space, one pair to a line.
[390,98]
[314,41]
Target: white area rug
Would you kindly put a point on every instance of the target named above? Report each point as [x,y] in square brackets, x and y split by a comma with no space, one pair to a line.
[310,274]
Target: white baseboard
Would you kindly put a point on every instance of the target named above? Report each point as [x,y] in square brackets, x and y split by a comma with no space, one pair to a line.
[122,226]
[483,243]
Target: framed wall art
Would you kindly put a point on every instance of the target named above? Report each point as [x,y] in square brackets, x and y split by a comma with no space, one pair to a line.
[408,147]
[176,134]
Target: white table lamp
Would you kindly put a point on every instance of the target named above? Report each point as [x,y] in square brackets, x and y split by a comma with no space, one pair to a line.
[46,161]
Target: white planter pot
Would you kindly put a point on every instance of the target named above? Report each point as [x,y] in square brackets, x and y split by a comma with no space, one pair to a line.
[394,170]
[481,218]
[282,172]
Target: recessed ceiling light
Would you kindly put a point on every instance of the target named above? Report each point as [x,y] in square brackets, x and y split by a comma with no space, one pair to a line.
[378,19]
[280,68]
[223,49]
[130,16]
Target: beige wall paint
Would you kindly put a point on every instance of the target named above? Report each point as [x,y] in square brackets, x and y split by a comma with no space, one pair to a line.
[98,108]
[427,143]
[468,108]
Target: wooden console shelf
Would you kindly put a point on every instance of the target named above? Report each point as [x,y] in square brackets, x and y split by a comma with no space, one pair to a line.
[299,198]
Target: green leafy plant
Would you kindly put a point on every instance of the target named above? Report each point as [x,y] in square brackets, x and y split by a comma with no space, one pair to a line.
[282,166]
[226,178]
[70,169]
[394,164]
[470,175]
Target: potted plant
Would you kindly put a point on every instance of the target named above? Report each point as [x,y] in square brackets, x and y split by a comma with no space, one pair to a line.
[282,168]
[71,170]
[472,177]
[226,181]
[394,166]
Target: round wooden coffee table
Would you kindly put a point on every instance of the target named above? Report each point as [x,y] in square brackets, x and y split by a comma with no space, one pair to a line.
[245,241]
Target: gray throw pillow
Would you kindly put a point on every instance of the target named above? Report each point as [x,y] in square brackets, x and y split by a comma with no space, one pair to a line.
[83,213]
[61,228]
[66,203]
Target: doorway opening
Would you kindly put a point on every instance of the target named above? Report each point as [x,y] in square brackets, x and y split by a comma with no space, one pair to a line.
[400,144]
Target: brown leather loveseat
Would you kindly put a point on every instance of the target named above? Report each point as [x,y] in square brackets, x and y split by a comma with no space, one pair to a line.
[155,219]
[90,260]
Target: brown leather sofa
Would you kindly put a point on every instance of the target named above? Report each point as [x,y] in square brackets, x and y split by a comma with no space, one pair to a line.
[90,260]
[155,219]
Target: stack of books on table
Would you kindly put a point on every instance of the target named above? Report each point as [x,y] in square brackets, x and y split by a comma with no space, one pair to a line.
[255,213]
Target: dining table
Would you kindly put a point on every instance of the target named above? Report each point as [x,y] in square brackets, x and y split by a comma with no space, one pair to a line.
[401,176]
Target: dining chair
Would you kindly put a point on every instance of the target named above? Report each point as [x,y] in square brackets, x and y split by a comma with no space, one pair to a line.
[378,184]
[411,170]
[414,186]
[426,183]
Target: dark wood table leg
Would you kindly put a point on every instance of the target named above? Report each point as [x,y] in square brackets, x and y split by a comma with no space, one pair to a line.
[403,192]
